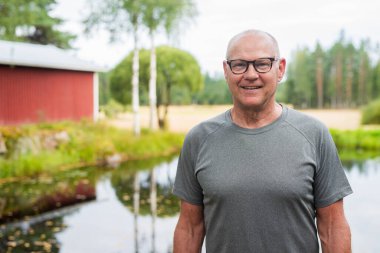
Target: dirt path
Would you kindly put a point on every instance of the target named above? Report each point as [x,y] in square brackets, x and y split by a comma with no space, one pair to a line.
[182,118]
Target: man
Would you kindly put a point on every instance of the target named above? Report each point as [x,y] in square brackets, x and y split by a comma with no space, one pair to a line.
[255,178]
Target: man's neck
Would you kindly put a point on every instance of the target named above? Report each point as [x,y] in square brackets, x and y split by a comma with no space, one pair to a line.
[255,118]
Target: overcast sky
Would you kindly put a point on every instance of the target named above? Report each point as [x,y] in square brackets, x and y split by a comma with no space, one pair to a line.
[294,23]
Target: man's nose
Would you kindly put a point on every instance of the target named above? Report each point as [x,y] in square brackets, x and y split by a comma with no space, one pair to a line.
[251,71]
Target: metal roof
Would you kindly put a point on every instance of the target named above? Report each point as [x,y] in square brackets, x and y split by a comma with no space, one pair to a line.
[42,56]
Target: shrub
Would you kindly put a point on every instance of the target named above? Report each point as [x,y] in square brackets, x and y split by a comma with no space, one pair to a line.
[112,108]
[371,113]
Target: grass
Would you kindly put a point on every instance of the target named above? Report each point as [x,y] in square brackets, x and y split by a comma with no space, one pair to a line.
[89,144]
[357,140]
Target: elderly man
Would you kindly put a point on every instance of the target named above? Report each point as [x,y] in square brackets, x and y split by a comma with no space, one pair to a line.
[255,178]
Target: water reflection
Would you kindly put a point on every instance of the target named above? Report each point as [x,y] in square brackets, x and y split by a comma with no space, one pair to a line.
[35,196]
[134,210]
[40,237]
[363,207]
[152,197]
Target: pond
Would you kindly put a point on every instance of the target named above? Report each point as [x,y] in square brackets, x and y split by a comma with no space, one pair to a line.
[105,219]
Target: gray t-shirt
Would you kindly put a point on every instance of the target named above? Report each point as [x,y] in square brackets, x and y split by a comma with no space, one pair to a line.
[260,187]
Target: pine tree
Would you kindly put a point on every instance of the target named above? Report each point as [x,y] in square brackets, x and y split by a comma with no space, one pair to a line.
[31,21]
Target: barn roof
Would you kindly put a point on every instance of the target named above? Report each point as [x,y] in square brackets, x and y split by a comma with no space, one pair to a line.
[42,56]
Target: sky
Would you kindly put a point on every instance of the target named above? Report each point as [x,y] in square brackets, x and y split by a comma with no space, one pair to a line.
[295,24]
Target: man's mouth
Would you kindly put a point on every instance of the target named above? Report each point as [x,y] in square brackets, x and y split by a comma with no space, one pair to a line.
[250,87]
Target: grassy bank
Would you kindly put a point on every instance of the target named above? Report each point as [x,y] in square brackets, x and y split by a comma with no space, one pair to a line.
[357,140]
[88,144]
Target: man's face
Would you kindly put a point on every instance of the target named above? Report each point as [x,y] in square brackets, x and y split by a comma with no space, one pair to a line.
[253,90]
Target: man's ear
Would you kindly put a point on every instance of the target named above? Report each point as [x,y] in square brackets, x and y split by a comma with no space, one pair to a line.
[281,69]
[225,68]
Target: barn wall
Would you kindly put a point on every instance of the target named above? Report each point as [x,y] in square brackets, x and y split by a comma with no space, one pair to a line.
[35,94]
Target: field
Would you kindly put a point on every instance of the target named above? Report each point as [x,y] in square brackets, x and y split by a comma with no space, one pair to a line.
[182,118]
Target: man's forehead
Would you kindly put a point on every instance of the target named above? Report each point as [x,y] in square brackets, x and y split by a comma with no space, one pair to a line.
[243,42]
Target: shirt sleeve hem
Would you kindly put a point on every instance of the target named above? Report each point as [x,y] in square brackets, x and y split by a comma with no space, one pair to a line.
[183,196]
[334,198]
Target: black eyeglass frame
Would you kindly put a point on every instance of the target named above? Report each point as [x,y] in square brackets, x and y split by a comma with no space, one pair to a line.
[272,59]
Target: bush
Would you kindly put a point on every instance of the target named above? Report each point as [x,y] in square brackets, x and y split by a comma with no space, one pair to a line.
[360,139]
[112,108]
[371,113]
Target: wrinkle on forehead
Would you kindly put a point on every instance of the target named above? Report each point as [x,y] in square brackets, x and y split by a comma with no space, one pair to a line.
[259,35]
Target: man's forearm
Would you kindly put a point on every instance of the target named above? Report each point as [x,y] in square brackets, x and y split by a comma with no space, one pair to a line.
[186,241]
[337,239]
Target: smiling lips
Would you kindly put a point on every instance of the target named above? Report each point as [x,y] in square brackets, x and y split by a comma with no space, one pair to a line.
[250,87]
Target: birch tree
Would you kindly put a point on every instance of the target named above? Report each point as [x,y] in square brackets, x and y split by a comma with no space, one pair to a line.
[120,17]
[166,14]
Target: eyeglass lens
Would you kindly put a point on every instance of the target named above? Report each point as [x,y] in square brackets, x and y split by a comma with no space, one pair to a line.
[260,65]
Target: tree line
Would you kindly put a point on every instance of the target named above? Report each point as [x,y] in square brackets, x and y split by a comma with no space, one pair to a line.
[342,76]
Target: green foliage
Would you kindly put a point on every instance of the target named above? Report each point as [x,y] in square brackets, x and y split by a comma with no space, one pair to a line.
[337,77]
[104,89]
[89,143]
[176,70]
[167,14]
[215,92]
[299,85]
[371,113]
[112,108]
[167,204]
[359,140]
[30,21]
[115,16]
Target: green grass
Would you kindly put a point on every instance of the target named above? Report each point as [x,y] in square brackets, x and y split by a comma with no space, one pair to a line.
[90,143]
[357,140]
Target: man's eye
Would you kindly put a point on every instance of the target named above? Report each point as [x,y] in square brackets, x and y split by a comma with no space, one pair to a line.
[262,64]
[239,65]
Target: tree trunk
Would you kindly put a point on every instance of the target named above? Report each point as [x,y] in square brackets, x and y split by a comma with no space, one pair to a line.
[163,116]
[135,87]
[349,81]
[361,81]
[319,81]
[152,86]
[338,80]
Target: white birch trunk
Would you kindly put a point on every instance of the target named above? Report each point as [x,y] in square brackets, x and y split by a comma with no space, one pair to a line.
[135,87]
[152,86]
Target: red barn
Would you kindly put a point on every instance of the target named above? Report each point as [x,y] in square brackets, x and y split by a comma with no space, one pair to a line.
[44,83]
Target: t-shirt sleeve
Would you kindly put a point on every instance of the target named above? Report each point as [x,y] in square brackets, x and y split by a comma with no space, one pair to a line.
[330,182]
[186,185]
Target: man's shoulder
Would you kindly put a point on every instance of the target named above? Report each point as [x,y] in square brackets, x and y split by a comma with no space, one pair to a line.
[200,132]
[304,121]
[307,125]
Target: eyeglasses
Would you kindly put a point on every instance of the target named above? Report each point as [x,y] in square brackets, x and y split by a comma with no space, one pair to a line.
[261,65]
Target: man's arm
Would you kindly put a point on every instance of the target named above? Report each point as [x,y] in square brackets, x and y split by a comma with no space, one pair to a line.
[333,229]
[190,230]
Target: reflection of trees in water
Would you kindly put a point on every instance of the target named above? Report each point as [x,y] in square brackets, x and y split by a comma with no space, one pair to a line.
[123,182]
[40,237]
[358,160]
[35,196]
